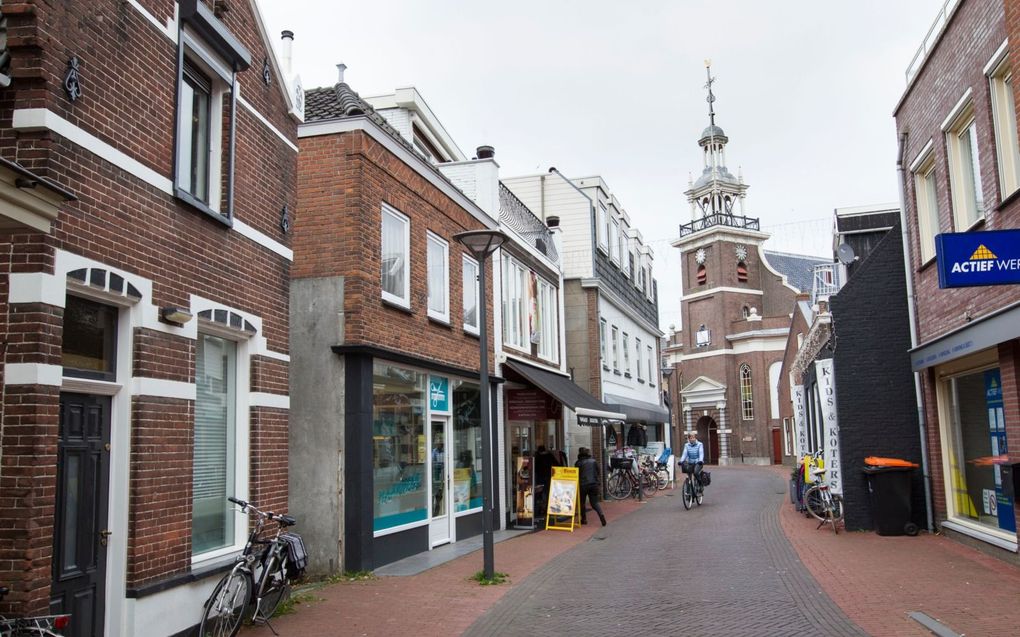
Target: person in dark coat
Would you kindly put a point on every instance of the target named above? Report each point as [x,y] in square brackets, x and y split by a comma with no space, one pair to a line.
[589,478]
[543,476]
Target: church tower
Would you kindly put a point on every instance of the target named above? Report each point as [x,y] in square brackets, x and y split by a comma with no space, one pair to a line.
[734,312]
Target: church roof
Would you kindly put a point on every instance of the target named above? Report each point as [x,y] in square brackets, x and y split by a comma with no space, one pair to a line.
[712,131]
[720,174]
[799,269]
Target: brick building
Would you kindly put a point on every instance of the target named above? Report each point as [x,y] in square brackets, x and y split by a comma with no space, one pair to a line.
[735,313]
[145,319]
[960,173]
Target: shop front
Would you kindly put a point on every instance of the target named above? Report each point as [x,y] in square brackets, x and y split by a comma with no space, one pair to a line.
[534,400]
[975,390]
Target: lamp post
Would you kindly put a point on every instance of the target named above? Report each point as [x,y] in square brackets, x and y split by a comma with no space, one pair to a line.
[481,244]
[667,372]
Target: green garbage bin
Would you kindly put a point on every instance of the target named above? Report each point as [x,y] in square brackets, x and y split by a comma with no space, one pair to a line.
[889,492]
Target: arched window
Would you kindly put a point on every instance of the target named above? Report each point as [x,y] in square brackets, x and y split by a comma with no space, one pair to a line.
[741,271]
[702,275]
[746,393]
[745,312]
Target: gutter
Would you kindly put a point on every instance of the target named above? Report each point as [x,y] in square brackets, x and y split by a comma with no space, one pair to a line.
[591,212]
[912,318]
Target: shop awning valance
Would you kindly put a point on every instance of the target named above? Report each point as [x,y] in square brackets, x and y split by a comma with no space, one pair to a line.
[637,410]
[590,411]
[988,331]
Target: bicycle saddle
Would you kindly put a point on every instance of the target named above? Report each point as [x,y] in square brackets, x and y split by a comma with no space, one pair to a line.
[286,520]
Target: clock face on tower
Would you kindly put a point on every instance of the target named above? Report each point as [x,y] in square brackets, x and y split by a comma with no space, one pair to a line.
[700,256]
[741,253]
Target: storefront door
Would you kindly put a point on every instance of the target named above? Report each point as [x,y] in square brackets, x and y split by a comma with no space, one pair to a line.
[522,458]
[441,526]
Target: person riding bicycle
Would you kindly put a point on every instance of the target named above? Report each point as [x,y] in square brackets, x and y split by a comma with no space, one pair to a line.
[692,460]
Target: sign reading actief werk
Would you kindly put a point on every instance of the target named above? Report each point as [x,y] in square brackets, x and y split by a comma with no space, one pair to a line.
[968,259]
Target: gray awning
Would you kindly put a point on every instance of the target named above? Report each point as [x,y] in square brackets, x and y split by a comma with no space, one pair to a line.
[983,333]
[590,411]
[637,410]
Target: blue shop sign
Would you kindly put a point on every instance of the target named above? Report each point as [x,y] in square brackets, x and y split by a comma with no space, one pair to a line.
[439,394]
[968,259]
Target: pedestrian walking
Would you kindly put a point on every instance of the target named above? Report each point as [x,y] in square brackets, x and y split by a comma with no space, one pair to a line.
[589,478]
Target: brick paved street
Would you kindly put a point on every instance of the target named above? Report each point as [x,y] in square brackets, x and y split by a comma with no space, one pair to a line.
[720,569]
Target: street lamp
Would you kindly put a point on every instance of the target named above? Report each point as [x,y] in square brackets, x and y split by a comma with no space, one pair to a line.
[481,244]
[668,395]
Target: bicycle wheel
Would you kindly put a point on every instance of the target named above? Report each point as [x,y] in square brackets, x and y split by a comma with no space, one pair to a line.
[688,494]
[837,507]
[648,484]
[699,492]
[816,504]
[224,610]
[661,479]
[273,589]
[618,487]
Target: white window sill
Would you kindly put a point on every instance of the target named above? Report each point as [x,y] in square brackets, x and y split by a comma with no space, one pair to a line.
[1001,539]
[213,557]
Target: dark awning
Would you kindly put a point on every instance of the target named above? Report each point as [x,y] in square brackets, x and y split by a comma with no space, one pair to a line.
[590,411]
[637,410]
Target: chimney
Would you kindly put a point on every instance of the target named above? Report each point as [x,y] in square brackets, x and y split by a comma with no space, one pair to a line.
[288,41]
[340,69]
[485,152]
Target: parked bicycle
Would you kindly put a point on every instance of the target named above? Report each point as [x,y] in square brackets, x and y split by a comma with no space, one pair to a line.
[822,504]
[659,470]
[41,626]
[260,579]
[624,482]
[694,489]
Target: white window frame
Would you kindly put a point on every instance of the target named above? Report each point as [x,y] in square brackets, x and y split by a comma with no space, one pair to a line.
[602,227]
[403,300]
[746,384]
[927,203]
[548,344]
[651,358]
[965,181]
[649,291]
[515,305]
[624,253]
[614,241]
[626,353]
[638,361]
[616,349]
[433,240]
[471,282]
[636,275]
[1007,149]
[603,338]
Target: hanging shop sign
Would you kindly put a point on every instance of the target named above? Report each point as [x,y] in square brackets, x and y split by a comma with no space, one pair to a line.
[531,404]
[830,424]
[967,259]
[439,394]
[563,491]
[799,420]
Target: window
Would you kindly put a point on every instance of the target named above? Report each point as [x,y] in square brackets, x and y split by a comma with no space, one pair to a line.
[650,359]
[702,275]
[90,338]
[214,468]
[626,355]
[396,254]
[650,289]
[965,172]
[774,371]
[515,303]
[622,251]
[194,145]
[741,271]
[398,453]
[745,312]
[927,208]
[602,228]
[467,446]
[602,343]
[746,393]
[439,278]
[548,336]
[1004,118]
[616,349]
[635,268]
[637,359]
[470,267]
[614,242]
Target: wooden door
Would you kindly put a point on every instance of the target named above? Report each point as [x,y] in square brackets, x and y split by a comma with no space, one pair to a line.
[777,446]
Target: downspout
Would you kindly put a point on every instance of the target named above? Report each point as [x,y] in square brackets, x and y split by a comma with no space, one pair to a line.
[911,315]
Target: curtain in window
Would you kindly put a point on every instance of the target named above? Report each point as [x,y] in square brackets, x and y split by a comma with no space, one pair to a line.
[470,294]
[437,276]
[394,250]
[215,438]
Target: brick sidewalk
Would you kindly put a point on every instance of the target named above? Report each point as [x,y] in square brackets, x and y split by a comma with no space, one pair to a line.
[437,603]
[878,581]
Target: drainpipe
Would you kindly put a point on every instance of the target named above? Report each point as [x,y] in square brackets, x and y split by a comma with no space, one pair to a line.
[911,314]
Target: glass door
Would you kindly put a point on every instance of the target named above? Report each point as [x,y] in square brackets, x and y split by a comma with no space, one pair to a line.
[522,469]
[441,526]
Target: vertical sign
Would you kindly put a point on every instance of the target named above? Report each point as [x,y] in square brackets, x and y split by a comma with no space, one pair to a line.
[830,424]
[799,424]
[997,430]
[439,394]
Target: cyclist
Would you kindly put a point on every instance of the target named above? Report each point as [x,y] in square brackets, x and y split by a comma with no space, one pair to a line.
[693,458]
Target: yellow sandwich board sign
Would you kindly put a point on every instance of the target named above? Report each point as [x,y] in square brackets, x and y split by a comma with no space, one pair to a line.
[562,508]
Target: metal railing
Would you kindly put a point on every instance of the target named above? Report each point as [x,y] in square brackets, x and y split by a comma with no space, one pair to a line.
[826,281]
[719,219]
[930,39]
[519,217]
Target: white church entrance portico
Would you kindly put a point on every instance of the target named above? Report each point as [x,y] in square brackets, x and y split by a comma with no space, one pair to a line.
[704,408]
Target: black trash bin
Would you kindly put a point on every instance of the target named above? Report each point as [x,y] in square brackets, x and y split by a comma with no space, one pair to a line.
[889,492]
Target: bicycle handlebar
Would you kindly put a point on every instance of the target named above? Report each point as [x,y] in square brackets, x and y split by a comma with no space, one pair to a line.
[284,520]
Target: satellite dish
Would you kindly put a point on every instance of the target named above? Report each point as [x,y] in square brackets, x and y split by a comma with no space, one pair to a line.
[845,254]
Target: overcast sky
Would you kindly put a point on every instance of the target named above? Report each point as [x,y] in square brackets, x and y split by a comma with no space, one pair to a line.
[805,90]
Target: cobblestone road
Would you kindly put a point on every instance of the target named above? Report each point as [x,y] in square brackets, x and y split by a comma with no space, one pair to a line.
[724,568]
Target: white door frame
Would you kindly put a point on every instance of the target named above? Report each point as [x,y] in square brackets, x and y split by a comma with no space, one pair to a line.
[442,529]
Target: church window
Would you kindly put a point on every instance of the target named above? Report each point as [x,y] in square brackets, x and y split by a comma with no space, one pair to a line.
[702,275]
[741,271]
[746,311]
[746,393]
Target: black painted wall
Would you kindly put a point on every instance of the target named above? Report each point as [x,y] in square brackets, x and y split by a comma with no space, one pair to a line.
[875,398]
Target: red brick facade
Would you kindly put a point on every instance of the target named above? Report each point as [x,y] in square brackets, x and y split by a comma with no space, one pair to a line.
[114,149]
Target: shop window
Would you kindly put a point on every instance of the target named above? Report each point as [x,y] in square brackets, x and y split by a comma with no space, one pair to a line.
[398,449]
[90,337]
[216,459]
[467,446]
[977,444]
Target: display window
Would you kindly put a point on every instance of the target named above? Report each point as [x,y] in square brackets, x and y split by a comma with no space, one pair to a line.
[398,446]
[975,447]
[467,447]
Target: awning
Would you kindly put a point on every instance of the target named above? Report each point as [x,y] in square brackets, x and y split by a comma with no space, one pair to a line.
[590,411]
[637,410]
[998,327]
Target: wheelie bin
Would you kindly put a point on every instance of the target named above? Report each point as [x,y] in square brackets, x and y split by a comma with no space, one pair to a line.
[889,491]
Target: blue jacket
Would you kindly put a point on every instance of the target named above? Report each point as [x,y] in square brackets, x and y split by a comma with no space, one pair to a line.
[693,453]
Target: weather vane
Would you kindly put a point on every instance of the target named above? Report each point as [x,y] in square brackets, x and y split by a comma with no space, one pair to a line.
[711,97]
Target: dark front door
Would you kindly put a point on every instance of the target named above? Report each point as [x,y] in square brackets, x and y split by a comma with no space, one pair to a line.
[80,533]
[777,446]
